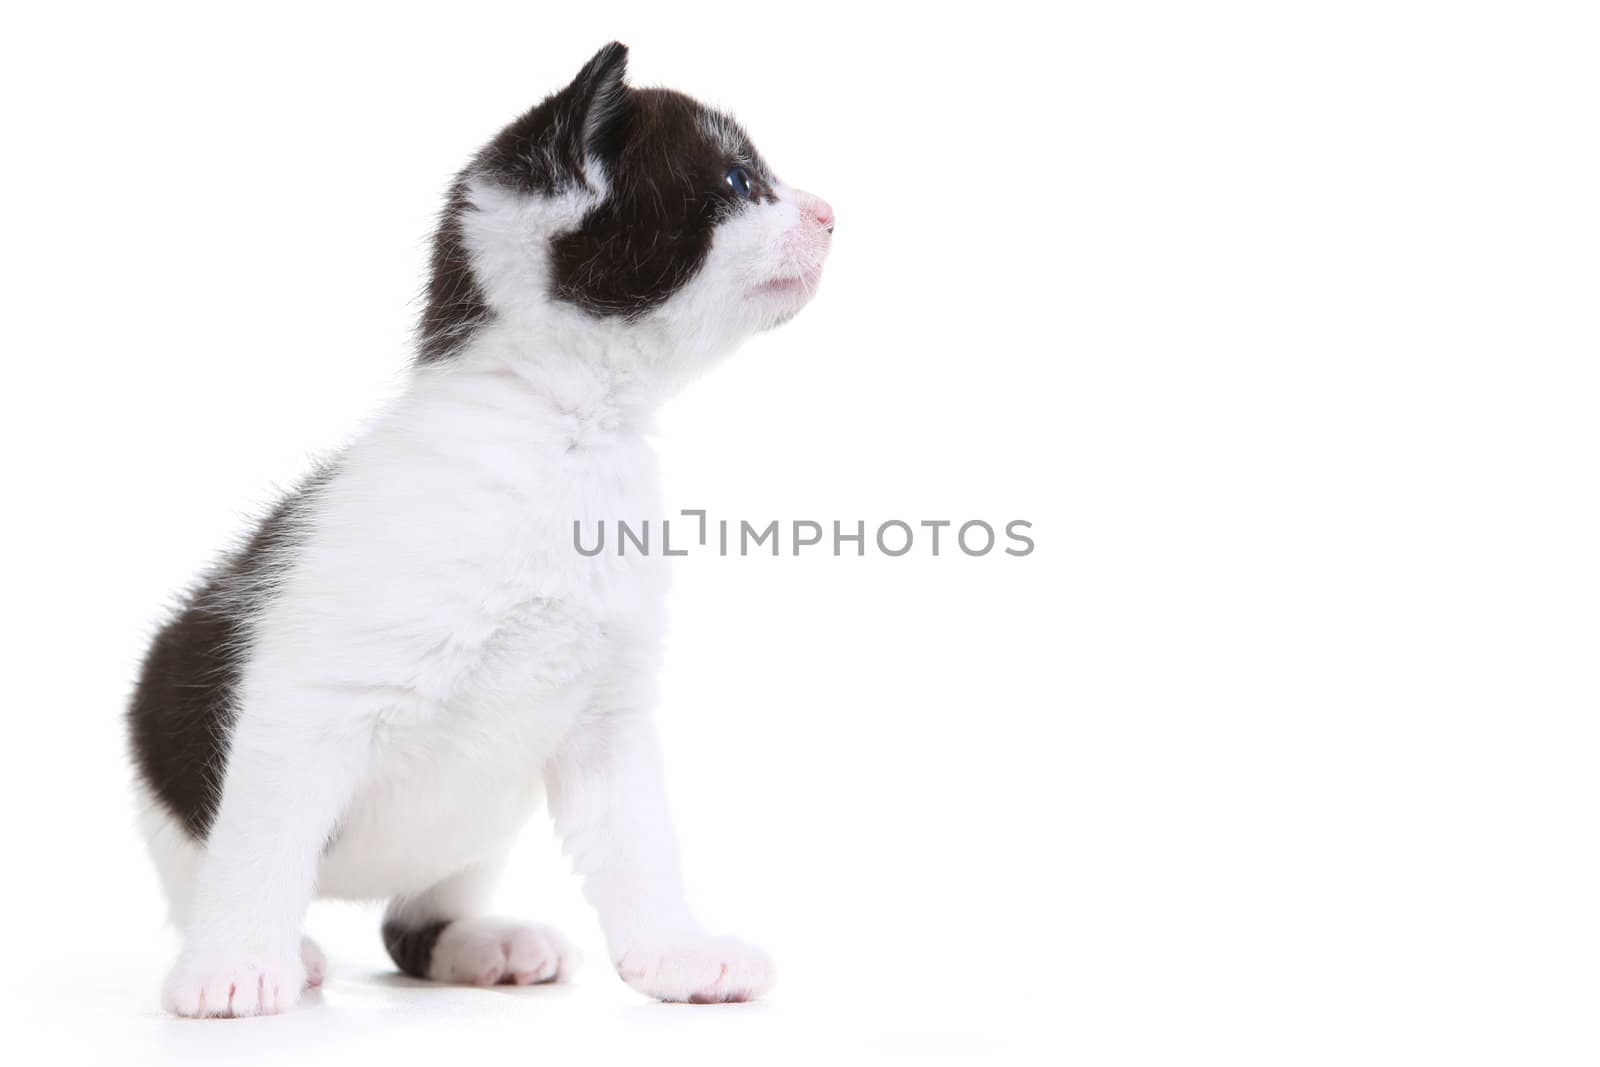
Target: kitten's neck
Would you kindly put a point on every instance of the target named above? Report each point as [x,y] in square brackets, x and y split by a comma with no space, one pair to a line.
[603,378]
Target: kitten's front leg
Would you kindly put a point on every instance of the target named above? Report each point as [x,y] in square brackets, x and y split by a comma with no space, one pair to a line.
[293,760]
[609,805]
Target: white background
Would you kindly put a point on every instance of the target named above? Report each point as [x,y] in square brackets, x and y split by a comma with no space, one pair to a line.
[1277,321]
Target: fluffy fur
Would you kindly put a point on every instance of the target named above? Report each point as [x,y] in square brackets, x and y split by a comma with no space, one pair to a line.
[373,695]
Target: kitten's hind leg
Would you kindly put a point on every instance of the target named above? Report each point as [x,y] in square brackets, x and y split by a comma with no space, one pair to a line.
[176,855]
[173,852]
[443,934]
[294,758]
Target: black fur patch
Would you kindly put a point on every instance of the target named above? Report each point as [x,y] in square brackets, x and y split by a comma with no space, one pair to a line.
[411,947]
[667,177]
[182,710]
[456,305]
[546,150]
[669,190]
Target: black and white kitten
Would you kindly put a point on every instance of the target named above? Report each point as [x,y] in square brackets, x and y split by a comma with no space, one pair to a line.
[370,698]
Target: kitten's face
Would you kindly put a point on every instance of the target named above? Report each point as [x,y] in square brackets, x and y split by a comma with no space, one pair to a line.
[630,210]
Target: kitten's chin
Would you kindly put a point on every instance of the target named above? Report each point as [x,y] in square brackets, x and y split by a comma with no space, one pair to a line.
[780,299]
[802,284]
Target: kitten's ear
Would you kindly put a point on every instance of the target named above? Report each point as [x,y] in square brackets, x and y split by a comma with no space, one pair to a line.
[594,106]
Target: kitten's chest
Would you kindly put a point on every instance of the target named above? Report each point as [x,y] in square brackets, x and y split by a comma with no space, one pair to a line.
[525,631]
[543,610]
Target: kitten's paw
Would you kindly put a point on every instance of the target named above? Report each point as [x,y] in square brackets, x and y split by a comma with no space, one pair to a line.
[489,951]
[702,970]
[315,963]
[227,984]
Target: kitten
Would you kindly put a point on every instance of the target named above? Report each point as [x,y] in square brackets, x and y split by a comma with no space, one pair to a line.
[371,697]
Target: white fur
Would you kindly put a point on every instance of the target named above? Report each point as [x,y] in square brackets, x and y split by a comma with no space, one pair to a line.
[436,657]
[488,951]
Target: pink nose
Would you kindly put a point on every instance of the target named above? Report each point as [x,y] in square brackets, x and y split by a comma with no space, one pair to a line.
[819,208]
[824,212]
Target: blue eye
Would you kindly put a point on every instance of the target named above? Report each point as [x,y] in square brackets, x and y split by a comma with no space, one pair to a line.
[739,182]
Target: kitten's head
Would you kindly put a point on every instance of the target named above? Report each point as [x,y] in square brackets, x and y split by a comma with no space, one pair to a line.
[634,214]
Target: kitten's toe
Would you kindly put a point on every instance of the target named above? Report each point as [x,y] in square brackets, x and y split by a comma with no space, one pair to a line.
[232,984]
[538,954]
[488,951]
[315,963]
[701,970]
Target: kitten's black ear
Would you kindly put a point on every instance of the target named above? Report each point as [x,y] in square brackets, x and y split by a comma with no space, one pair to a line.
[594,106]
